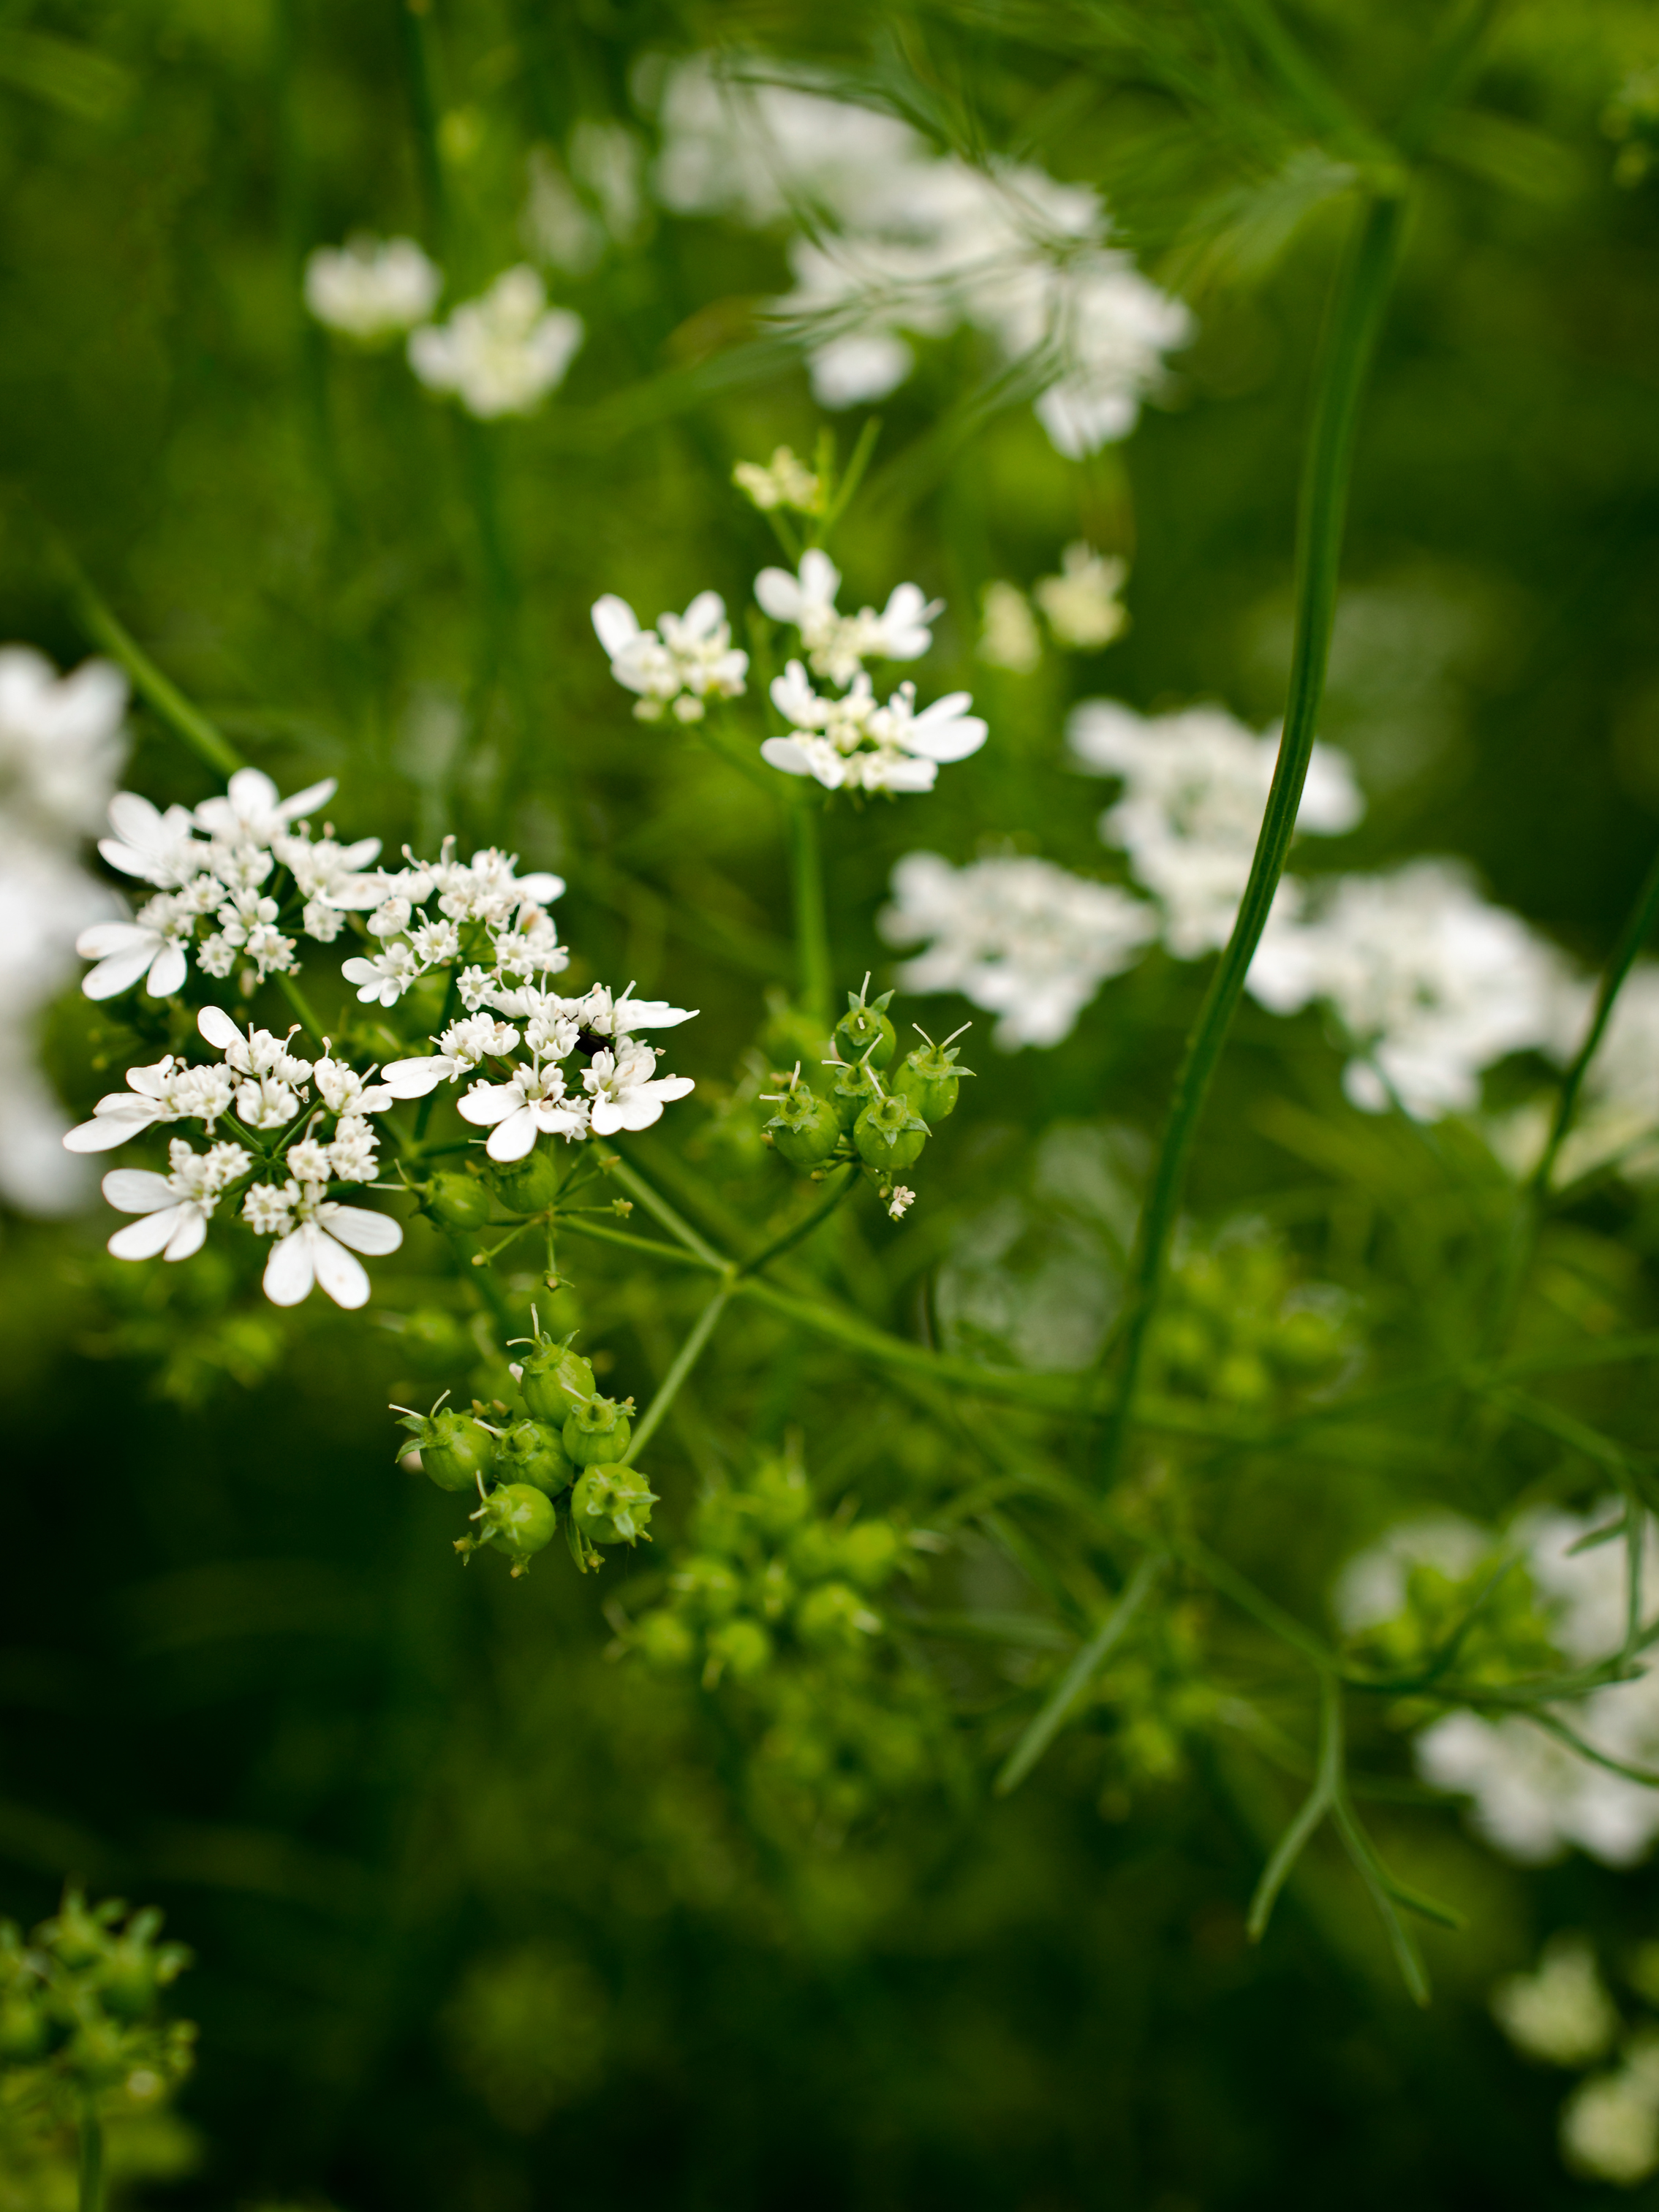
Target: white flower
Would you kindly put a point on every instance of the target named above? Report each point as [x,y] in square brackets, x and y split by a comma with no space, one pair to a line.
[1081,604]
[1562,2014]
[900,1203]
[783,482]
[1008,633]
[160,848]
[332,877]
[530,1103]
[265,1102]
[342,1090]
[315,1249]
[1610,2123]
[851,741]
[259,1052]
[1429,980]
[372,289]
[176,1207]
[353,1154]
[1373,1587]
[151,948]
[837,645]
[382,978]
[503,353]
[151,1096]
[460,1048]
[1195,789]
[253,812]
[892,238]
[1022,939]
[683,662]
[308,1160]
[61,741]
[628,1093]
[268,1210]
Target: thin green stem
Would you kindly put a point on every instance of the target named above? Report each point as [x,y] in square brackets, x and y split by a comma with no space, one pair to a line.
[1350,340]
[1320,1800]
[677,1226]
[423,111]
[811,931]
[685,1359]
[1085,1665]
[169,702]
[91,2161]
[301,1006]
[1639,927]
[804,1227]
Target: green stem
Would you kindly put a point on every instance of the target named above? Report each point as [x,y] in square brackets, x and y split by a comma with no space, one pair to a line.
[301,1006]
[806,883]
[169,702]
[684,1361]
[802,1228]
[1350,340]
[1637,928]
[675,1223]
[423,111]
[91,2133]
[1087,1664]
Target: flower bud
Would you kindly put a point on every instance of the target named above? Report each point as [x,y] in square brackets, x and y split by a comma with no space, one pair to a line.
[890,1134]
[529,1185]
[519,1518]
[707,1587]
[804,1130]
[455,1449]
[596,1432]
[553,1379]
[929,1077]
[459,1201]
[864,1031]
[531,1452]
[855,1089]
[612,1504]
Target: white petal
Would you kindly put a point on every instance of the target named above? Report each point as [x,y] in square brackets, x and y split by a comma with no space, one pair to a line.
[785,753]
[291,1269]
[615,622]
[107,937]
[340,1275]
[820,579]
[119,972]
[487,1103]
[376,1234]
[607,1117]
[705,613]
[218,1028]
[123,857]
[657,1013]
[166,972]
[134,820]
[542,887]
[104,1130]
[673,1086]
[251,791]
[413,1079]
[514,1138]
[142,1240]
[189,1235]
[309,800]
[779,595]
[138,1190]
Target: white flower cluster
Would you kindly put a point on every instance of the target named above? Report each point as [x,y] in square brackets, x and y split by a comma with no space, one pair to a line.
[264,1089]
[893,239]
[480,913]
[61,745]
[1562,2015]
[1533,1797]
[1194,790]
[1025,940]
[687,660]
[847,739]
[500,353]
[531,1098]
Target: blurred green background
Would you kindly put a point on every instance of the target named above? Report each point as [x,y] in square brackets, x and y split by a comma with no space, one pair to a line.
[484,1920]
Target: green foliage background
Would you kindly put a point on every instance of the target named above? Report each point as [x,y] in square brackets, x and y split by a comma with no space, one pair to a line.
[485,1920]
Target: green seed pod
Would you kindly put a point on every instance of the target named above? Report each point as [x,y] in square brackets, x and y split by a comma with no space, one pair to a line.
[455,1449]
[890,1134]
[664,1640]
[864,1031]
[612,1504]
[707,1587]
[597,1434]
[128,1983]
[553,1379]
[519,1518]
[855,1090]
[529,1185]
[929,1077]
[804,1130]
[531,1452]
[741,1644]
[835,1618]
[25,2031]
[459,1201]
[871,1550]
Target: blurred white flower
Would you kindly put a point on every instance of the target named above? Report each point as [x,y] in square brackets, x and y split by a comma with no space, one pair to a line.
[783,481]
[855,743]
[1431,981]
[1562,2014]
[1618,1115]
[626,1092]
[1195,789]
[1610,2123]
[1372,1588]
[838,645]
[892,239]
[686,660]
[372,289]
[1025,940]
[503,353]
[1081,604]
[1008,632]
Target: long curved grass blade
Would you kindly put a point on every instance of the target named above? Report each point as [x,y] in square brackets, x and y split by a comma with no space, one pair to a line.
[1072,1684]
